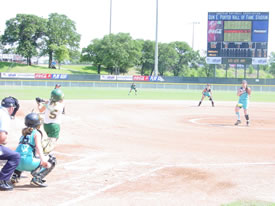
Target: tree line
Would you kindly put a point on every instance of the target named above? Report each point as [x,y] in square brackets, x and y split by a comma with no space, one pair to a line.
[29,35]
[119,52]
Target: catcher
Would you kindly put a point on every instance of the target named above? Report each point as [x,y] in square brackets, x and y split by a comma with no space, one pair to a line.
[53,110]
[29,147]
[244,92]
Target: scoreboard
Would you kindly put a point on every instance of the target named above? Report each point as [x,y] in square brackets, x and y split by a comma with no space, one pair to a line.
[237,38]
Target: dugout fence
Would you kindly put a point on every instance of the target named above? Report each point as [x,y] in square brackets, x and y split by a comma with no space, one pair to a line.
[140,85]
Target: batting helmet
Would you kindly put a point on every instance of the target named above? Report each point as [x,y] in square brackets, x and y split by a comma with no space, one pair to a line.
[32,120]
[57,95]
[8,102]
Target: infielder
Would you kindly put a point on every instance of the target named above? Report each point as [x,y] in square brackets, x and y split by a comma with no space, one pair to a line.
[207,93]
[133,87]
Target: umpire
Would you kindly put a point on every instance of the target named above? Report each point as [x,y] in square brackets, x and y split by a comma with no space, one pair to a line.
[9,107]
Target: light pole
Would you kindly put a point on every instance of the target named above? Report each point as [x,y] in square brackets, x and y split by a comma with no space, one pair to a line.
[156,42]
[193,32]
[110,23]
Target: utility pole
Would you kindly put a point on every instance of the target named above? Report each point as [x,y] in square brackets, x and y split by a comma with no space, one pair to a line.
[110,23]
[193,33]
[156,42]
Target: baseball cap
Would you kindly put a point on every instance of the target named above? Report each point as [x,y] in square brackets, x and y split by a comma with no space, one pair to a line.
[8,102]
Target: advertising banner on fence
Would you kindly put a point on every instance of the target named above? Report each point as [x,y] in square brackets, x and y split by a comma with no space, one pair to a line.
[124,78]
[156,79]
[59,76]
[42,76]
[17,75]
[140,78]
[108,77]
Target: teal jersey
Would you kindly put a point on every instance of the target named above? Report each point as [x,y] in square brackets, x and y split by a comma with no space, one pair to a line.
[26,149]
[244,96]
[243,99]
[207,92]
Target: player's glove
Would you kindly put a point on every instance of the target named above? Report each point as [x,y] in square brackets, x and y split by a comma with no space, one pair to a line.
[39,100]
[16,107]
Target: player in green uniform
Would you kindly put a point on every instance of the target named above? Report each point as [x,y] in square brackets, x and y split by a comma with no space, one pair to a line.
[244,92]
[133,87]
[207,93]
[52,119]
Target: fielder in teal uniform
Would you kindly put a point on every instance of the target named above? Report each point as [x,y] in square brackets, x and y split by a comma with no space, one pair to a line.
[244,92]
[29,147]
[207,93]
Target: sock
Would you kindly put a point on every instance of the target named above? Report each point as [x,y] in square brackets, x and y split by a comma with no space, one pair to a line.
[212,103]
[199,103]
[246,117]
[238,114]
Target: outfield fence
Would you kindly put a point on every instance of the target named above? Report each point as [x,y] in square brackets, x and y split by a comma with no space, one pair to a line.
[140,85]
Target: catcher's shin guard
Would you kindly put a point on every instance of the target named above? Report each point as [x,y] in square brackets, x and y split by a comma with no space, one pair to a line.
[41,172]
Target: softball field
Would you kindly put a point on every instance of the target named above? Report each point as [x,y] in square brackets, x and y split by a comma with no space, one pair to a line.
[150,152]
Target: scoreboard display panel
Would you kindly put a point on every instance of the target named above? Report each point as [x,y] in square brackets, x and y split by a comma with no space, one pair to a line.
[239,35]
[237,31]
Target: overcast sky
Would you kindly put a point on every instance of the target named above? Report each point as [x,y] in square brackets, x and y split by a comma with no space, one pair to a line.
[137,17]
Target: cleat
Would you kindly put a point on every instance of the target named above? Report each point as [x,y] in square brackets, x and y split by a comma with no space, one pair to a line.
[38,182]
[238,122]
[247,123]
[5,186]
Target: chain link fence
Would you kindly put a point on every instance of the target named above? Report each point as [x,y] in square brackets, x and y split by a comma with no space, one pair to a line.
[145,85]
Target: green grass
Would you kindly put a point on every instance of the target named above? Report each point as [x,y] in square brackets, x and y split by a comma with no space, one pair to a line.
[65,69]
[250,203]
[26,93]
[83,69]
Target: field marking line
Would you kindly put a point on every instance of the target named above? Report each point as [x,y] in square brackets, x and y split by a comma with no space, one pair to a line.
[101,171]
[151,171]
[68,154]
[91,194]
[196,121]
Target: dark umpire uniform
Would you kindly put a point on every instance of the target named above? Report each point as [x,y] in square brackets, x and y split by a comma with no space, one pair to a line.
[8,109]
